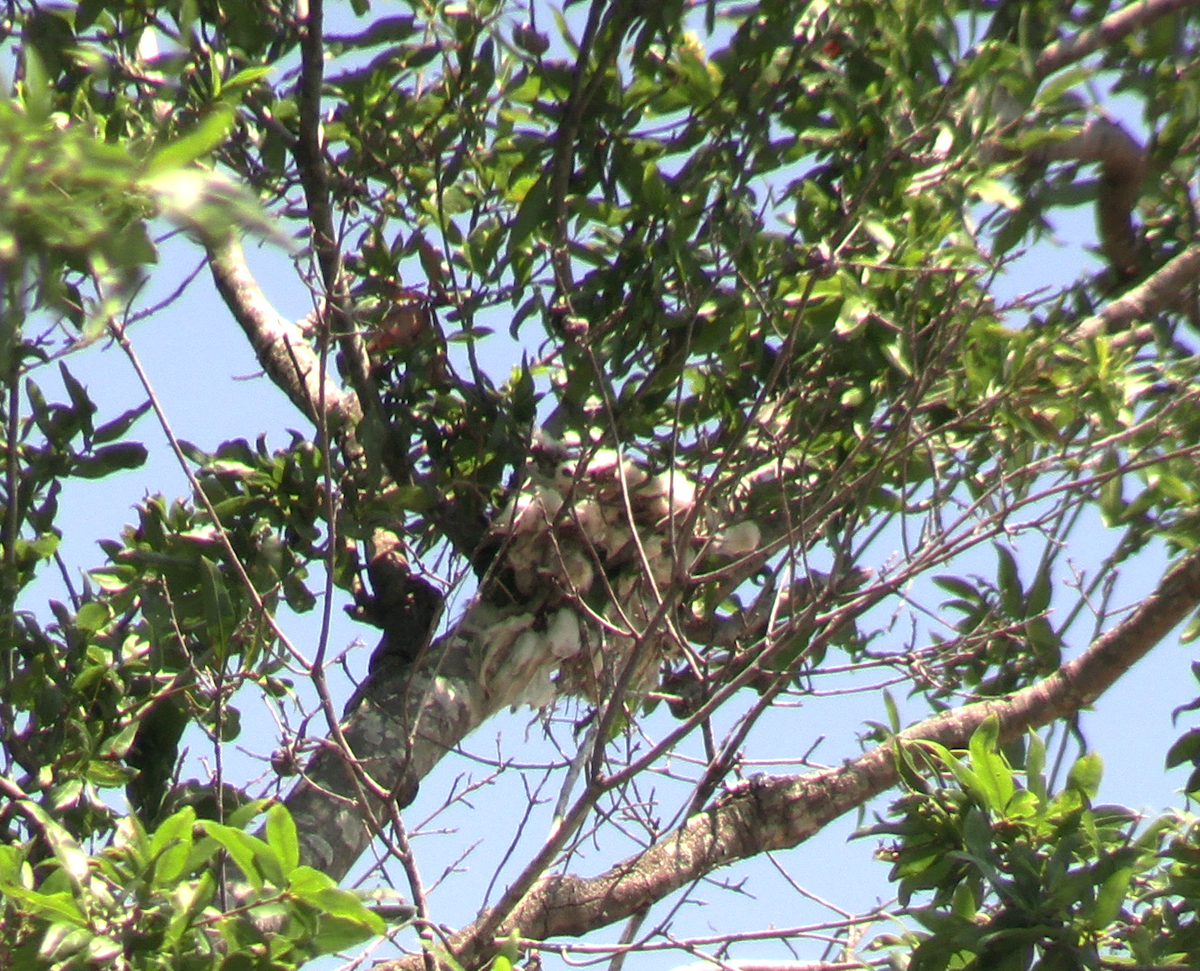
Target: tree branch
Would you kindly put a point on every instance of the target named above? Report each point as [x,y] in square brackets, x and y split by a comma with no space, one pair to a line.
[314,177]
[285,355]
[765,813]
[405,717]
[1159,292]
[406,720]
[1111,29]
[1122,161]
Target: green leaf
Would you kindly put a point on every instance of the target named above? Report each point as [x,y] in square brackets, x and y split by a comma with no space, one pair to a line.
[963,904]
[1085,775]
[1058,84]
[304,881]
[338,934]
[188,900]
[110,458]
[654,190]
[71,858]
[893,713]
[245,814]
[106,773]
[1035,767]
[57,906]
[881,234]
[1012,230]
[81,404]
[171,845]
[36,86]
[281,837]
[1110,899]
[112,430]
[1009,582]
[1192,630]
[529,215]
[233,89]
[13,862]
[1186,748]
[218,607]
[93,616]
[1037,600]
[61,941]
[1043,639]
[347,921]
[957,586]
[1193,783]
[977,837]
[993,775]
[962,773]
[101,949]
[117,746]
[245,850]
[347,906]
[995,192]
[199,142]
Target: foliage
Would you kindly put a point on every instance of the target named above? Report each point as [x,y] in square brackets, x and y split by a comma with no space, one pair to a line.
[762,404]
[1017,875]
[151,899]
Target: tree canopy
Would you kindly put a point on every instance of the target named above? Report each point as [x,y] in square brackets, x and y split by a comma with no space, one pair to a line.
[664,373]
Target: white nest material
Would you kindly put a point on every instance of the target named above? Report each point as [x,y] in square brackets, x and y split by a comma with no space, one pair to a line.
[567,539]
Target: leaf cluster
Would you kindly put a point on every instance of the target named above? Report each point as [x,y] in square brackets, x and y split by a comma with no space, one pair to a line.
[1001,871]
[161,898]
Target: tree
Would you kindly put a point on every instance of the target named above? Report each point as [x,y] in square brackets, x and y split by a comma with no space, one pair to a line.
[769,412]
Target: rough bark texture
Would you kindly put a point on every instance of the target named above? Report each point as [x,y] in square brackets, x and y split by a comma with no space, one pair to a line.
[765,813]
[404,719]
[419,713]
[1162,290]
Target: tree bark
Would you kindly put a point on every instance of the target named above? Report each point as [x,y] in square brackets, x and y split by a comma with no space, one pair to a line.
[767,813]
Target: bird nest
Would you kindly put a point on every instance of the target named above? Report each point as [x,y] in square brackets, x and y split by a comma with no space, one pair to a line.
[591,555]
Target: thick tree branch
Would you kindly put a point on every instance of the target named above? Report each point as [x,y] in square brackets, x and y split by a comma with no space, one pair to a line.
[404,718]
[1161,291]
[285,355]
[1122,161]
[1111,29]
[405,721]
[530,636]
[764,813]
[1121,158]
[307,149]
